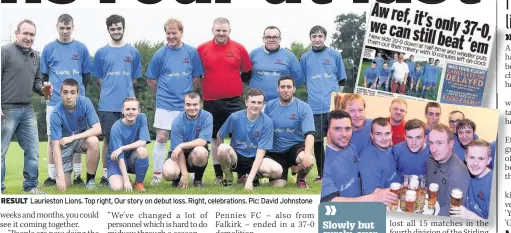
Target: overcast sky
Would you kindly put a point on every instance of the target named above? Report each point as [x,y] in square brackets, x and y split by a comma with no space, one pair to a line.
[147,24]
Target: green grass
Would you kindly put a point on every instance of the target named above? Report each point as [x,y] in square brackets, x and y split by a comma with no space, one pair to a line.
[14,179]
[365,64]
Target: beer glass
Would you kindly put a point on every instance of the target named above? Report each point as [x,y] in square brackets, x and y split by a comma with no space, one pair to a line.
[395,188]
[46,90]
[456,197]
[411,197]
[433,195]
[402,194]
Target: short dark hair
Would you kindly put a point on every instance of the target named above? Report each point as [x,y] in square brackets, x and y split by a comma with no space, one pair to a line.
[113,19]
[70,82]
[458,111]
[337,115]
[65,18]
[466,123]
[415,124]
[431,105]
[317,29]
[272,27]
[193,95]
[28,21]
[286,77]
[374,62]
[379,121]
[254,92]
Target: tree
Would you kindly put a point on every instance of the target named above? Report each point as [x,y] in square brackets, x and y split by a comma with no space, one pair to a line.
[349,38]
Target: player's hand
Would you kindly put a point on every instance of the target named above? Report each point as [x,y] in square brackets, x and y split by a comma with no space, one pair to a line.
[61,183]
[385,196]
[116,154]
[127,186]
[175,153]
[249,183]
[460,211]
[183,182]
[66,140]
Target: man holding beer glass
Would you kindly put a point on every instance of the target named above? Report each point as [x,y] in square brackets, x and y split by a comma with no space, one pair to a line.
[445,168]
[477,200]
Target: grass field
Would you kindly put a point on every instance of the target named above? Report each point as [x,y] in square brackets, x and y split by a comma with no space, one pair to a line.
[365,64]
[14,179]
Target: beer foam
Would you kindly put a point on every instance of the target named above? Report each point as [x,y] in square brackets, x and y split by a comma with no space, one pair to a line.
[433,187]
[395,186]
[457,193]
[410,195]
[414,184]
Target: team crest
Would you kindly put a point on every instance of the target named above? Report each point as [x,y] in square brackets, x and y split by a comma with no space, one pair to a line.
[75,57]
[256,134]
[197,128]
[355,159]
[481,195]
[327,62]
[278,61]
[292,117]
[79,118]
[229,54]
[127,59]
[186,60]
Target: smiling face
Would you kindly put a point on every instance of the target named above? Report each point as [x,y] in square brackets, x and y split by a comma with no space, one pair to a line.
[221,32]
[130,110]
[381,135]
[356,110]
[271,39]
[397,111]
[478,158]
[173,35]
[440,146]
[286,90]
[255,104]
[415,139]
[192,106]
[116,31]
[25,36]
[340,132]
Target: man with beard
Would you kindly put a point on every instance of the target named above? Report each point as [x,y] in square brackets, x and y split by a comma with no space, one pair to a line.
[444,168]
[398,112]
[190,135]
[270,62]
[477,200]
[127,151]
[116,66]
[324,72]
[293,137]
[429,78]
[355,105]
[61,59]
[20,76]
[225,62]
[377,165]
[432,113]
[412,154]
[75,129]
[341,178]
[175,69]
[252,136]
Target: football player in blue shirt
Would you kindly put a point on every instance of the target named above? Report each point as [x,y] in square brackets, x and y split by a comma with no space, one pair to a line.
[324,72]
[341,177]
[127,149]
[355,105]
[370,75]
[174,70]
[428,78]
[411,155]
[379,61]
[432,112]
[411,75]
[465,131]
[191,132]
[252,136]
[293,139]
[383,77]
[64,58]
[75,128]
[270,62]
[477,199]
[117,66]
[377,164]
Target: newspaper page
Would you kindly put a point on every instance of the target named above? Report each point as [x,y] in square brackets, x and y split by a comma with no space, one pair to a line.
[466,76]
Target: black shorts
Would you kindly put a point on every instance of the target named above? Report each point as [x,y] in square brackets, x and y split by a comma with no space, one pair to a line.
[107,120]
[321,126]
[221,110]
[244,165]
[287,159]
[189,166]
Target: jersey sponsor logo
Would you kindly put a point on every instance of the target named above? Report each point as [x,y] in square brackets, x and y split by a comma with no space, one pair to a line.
[67,72]
[125,73]
[127,59]
[327,62]
[229,54]
[186,60]
[292,117]
[266,73]
[325,75]
[75,57]
[347,185]
[286,130]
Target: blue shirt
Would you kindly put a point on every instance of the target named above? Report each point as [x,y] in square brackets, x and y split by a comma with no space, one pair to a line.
[65,123]
[248,136]
[479,195]
[493,146]
[409,163]
[323,71]
[391,62]
[187,130]
[123,134]
[411,68]
[460,150]
[377,169]
[417,75]
[62,61]
[174,70]
[269,67]
[371,74]
[116,67]
[379,63]
[360,139]
[290,123]
[340,173]
[429,73]
[384,75]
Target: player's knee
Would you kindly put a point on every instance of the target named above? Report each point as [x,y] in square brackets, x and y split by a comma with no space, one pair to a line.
[200,156]
[276,171]
[93,143]
[161,137]
[223,150]
[170,170]
[142,152]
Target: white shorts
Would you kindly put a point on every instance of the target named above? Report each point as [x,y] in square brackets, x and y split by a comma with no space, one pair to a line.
[49,109]
[163,118]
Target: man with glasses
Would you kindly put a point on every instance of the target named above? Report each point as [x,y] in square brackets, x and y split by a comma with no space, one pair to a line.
[399,75]
[270,62]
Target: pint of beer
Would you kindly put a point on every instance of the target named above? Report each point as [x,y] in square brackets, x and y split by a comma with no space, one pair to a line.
[433,194]
[402,194]
[411,197]
[456,197]
[395,188]
[421,194]
[46,90]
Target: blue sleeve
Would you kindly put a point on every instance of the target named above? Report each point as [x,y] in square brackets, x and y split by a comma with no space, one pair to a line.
[304,68]
[153,71]
[206,132]
[308,120]
[227,127]
[56,126]
[144,130]
[328,183]
[45,69]
[176,134]
[341,70]
[371,175]
[115,142]
[92,116]
[296,70]
[266,141]
[97,69]
[493,147]
[197,65]
[137,65]
[86,60]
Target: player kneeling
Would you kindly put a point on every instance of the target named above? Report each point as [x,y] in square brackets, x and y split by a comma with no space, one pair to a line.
[191,131]
[74,129]
[252,136]
[127,149]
